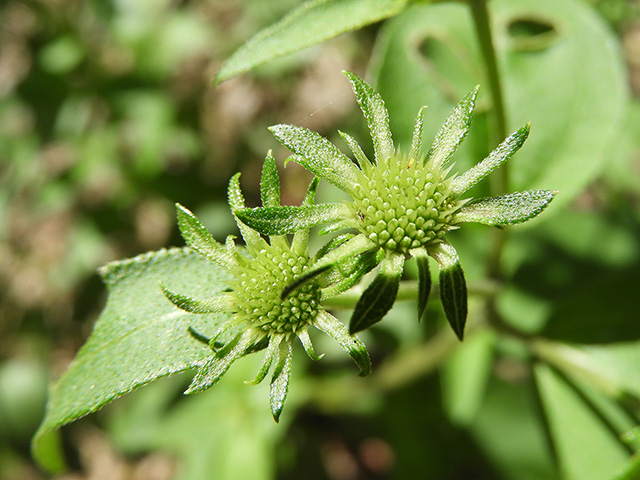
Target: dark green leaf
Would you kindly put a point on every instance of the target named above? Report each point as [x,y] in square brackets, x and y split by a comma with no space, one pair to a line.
[311,23]
[453,287]
[506,209]
[139,337]
[379,296]
[424,278]
[289,219]
[270,183]
[377,117]
[319,156]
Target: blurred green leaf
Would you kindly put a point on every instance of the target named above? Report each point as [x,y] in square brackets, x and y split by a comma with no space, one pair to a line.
[313,22]
[586,449]
[139,337]
[428,55]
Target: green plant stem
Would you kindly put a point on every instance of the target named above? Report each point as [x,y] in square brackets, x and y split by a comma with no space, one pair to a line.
[500,179]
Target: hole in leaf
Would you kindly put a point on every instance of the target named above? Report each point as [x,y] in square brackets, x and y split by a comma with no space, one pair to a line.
[531,33]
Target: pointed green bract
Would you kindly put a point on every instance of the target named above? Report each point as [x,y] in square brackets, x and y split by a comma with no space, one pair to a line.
[236,202]
[507,209]
[424,279]
[416,138]
[453,287]
[501,154]
[376,115]
[380,295]
[194,305]
[280,380]
[270,183]
[285,220]
[300,241]
[270,354]
[356,149]
[305,339]
[319,156]
[198,237]
[350,343]
[453,131]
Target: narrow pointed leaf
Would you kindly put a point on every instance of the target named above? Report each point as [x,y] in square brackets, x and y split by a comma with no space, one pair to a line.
[218,364]
[346,275]
[424,278]
[356,149]
[319,156]
[453,287]
[453,131]
[236,202]
[501,154]
[290,219]
[138,338]
[507,209]
[270,354]
[270,183]
[198,237]
[379,296]
[311,23]
[377,117]
[357,245]
[194,305]
[305,339]
[300,241]
[280,380]
[350,343]
[416,140]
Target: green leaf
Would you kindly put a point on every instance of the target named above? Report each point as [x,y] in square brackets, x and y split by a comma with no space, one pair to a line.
[198,237]
[319,156]
[270,183]
[501,154]
[305,339]
[356,149]
[377,117]
[379,296]
[453,287]
[416,139]
[195,305]
[424,278]
[311,23]
[300,241]
[586,448]
[270,353]
[280,380]
[429,55]
[289,219]
[236,202]
[139,337]
[350,343]
[453,131]
[507,209]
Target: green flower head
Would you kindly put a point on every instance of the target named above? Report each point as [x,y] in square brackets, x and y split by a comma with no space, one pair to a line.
[402,205]
[261,317]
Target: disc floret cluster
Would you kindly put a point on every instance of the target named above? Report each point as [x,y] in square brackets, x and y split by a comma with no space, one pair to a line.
[401,206]
[260,317]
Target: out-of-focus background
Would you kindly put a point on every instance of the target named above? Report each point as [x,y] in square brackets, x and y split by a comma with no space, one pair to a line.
[108,116]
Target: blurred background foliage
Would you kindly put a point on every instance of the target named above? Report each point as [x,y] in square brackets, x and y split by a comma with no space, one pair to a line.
[108,117]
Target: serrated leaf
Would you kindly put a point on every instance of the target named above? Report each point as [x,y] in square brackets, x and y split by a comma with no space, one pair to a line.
[198,237]
[379,296]
[453,131]
[377,117]
[350,343]
[139,337]
[453,287]
[501,154]
[290,219]
[507,209]
[311,23]
[319,156]
[424,278]
[280,380]
[270,183]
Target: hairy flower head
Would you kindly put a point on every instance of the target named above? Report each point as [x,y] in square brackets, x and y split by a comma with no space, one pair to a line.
[402,205]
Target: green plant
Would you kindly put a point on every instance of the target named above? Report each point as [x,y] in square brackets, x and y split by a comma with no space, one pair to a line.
[530,362]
